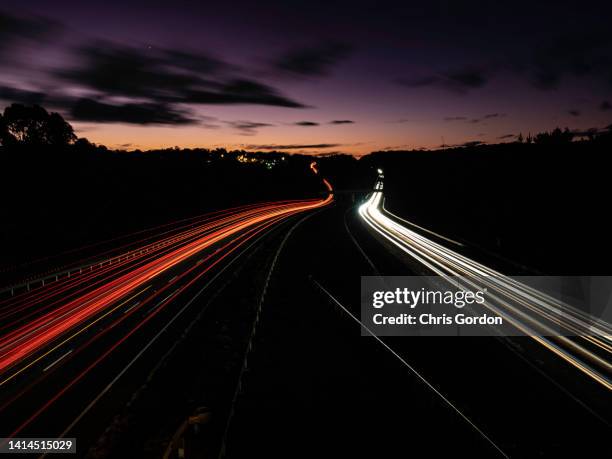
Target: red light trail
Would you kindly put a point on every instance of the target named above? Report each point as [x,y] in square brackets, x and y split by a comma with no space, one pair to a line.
[39,326]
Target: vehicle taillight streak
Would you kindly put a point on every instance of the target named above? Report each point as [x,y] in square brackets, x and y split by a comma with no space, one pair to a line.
[50,322]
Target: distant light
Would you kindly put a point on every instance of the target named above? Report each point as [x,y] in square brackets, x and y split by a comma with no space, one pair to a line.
[380,171]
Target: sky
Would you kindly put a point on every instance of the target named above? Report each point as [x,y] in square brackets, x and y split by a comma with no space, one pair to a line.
[310,77]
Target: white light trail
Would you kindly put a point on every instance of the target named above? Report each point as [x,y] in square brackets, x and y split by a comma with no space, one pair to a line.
[588,343]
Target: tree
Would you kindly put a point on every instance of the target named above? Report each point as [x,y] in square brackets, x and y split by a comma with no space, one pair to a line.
[6,138]
[60,132]
[83,144]
[33,125]
[556,137]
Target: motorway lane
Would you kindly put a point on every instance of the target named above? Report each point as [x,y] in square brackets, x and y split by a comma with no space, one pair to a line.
[73,260]
[315,387]
[139,294]
[342,383]
[46,321]
[108,252]
[583,341]
[314,381]
[527,385]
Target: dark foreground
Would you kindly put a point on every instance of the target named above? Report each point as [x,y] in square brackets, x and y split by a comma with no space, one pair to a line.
[299,380]
[318,388]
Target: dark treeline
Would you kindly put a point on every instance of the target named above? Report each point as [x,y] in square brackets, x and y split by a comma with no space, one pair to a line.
[541,200]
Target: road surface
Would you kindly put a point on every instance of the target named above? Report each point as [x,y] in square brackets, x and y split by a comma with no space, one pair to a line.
[118,352]
[67,341]
[573,335]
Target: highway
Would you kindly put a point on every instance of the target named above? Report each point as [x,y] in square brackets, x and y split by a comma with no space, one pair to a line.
[314,380]
[578,338]
[104,339]
[67,339]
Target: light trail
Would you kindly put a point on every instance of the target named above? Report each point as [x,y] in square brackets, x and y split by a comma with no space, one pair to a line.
[213,260]
[54,334]
[231,247]
[92,268]
[116,258]
[50,320]
[588,343]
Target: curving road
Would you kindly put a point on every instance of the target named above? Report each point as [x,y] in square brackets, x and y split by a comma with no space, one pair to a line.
[581,340]
[79,330]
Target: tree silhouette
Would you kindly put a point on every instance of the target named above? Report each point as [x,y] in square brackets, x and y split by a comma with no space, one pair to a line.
[33,125]
[556,137]
[6,139]
[60,132]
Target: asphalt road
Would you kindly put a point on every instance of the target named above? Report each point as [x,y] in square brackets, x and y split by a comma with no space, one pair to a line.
[67,344]
[275,358]
[317,388]
[572,334]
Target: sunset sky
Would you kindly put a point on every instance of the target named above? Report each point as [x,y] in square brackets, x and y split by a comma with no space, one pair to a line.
[309,77]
